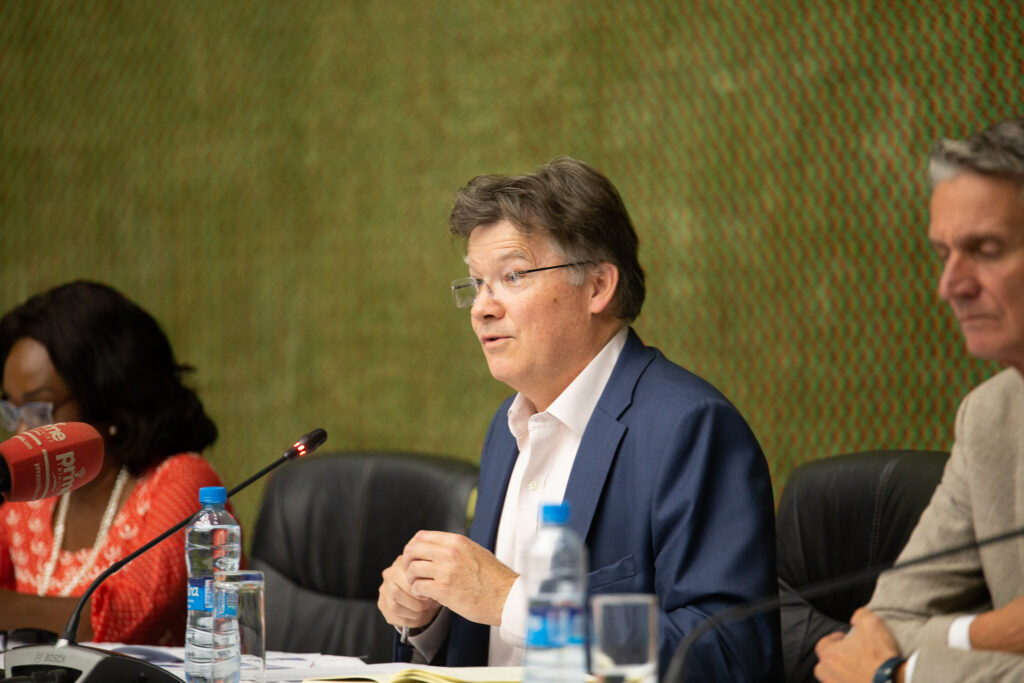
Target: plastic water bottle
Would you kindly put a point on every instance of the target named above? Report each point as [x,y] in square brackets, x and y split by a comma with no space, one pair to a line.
[212,543]
[556,583]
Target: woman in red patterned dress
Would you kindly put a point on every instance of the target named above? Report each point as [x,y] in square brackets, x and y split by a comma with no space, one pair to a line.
[82,352]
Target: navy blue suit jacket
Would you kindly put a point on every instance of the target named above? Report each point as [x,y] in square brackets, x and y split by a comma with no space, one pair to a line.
[672,496]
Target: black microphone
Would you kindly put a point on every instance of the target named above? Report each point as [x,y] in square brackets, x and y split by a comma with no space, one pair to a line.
[93,665]
[677,667]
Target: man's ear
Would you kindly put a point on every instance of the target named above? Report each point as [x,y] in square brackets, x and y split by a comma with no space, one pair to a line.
[603,282]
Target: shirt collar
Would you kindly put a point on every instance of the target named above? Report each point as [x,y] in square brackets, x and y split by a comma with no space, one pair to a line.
[574,406]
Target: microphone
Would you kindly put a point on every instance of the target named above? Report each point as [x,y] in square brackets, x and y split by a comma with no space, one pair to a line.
[677,667]
[93,665]
[48,461]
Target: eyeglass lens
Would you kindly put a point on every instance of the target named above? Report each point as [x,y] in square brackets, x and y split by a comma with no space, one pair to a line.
[28,416]
[464,291]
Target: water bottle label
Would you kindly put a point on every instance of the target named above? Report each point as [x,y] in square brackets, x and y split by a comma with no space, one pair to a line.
[555,626]
[227,604]
[200,595]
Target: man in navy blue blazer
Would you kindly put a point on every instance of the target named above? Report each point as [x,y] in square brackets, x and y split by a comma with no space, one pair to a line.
[666,482]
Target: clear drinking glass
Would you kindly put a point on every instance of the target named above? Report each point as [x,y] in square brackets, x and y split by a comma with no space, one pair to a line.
[624,647]
[239,633]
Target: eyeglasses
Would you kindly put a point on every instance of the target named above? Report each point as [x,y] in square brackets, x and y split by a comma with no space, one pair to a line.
[31,415]
[466,289]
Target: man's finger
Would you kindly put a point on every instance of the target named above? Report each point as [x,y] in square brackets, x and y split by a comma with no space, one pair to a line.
[421,569]
[861,614]
[435,546]
[426,589]
[827,642]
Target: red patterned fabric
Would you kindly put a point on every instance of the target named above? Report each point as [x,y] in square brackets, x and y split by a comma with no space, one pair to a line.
[145,601]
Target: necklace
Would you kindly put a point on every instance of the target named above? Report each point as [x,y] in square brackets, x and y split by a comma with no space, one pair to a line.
[101,536]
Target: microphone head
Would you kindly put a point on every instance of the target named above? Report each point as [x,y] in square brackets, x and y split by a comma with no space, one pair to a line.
[307,444]
[50,460]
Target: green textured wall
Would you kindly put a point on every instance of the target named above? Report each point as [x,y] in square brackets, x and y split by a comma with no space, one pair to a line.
[272,180]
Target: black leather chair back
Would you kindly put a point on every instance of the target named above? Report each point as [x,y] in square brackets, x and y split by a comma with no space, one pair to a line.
[330,524]
[839,515]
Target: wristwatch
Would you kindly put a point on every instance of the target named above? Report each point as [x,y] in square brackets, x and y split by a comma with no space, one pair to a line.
[883,674]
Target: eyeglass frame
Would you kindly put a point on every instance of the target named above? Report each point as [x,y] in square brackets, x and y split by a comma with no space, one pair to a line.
[477,282]
[11,415]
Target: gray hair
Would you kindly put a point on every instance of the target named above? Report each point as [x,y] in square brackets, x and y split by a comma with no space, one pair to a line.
[996,151]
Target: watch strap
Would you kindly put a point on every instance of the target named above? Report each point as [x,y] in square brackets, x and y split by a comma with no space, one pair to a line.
[883,674]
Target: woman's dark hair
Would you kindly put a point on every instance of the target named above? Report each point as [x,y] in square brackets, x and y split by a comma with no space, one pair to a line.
[120,368]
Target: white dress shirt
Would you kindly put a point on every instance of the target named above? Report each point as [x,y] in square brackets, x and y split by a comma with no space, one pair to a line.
[547,442]
[959,638]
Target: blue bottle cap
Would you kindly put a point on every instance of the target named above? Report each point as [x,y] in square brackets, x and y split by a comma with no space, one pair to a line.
[212,495]
[554,513]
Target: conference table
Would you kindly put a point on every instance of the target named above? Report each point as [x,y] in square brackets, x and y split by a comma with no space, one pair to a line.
[282,667]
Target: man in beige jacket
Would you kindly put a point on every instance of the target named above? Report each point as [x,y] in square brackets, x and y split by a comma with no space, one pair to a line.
[961,618]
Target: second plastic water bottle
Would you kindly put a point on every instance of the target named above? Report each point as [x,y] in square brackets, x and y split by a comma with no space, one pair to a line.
[212,543]
[556,575]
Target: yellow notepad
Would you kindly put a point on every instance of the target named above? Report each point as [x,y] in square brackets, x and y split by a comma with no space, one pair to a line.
[433,674]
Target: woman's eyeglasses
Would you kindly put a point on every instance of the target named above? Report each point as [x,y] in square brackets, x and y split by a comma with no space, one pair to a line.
[28,415]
